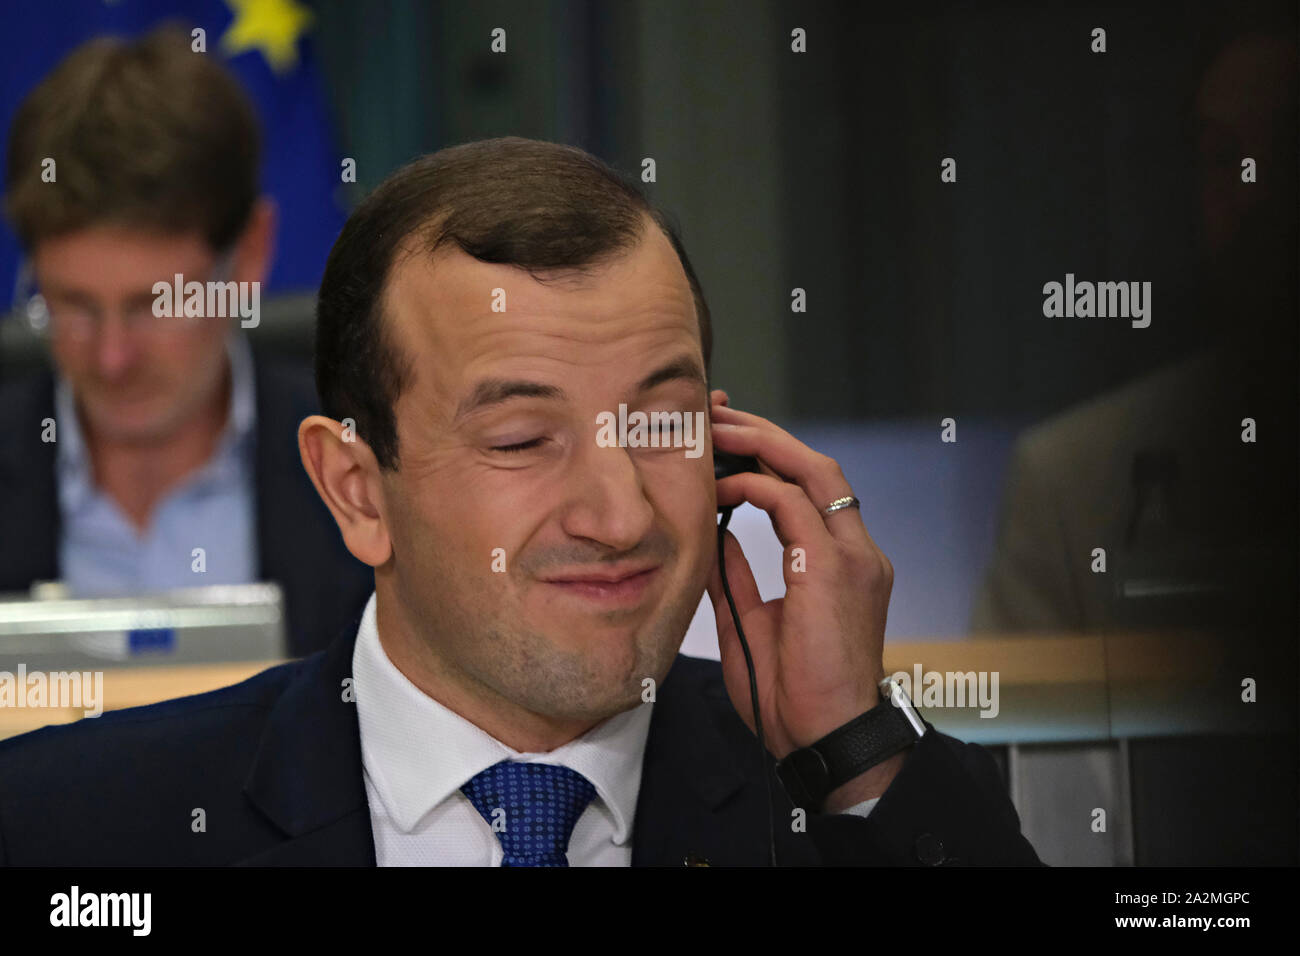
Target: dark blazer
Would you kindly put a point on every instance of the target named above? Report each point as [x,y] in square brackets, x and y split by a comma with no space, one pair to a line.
[298,543]
[275,765]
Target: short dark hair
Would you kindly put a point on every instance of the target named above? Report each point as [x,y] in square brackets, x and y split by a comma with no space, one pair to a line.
[541,206]
[144,133]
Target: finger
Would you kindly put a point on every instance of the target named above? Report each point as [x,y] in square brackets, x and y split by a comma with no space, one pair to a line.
[718,397]
[794,519]
[740,578]
[818,475]
[744,591]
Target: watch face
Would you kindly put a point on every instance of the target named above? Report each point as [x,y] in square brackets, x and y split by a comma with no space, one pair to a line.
[892,691]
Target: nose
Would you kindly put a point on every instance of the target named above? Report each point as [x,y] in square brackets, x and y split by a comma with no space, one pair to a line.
[115,348]
[607,501]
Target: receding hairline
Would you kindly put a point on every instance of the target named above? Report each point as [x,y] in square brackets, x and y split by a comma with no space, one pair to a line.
[422,242]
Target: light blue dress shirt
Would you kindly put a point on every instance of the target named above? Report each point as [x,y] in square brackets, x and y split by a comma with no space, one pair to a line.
[214,508]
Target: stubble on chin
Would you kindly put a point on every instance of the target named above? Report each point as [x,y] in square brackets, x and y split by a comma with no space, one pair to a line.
[548,667]
[588,683]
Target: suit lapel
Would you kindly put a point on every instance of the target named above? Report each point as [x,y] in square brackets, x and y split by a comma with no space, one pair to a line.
[29,506]
[290,547]
[307,775]
[702,797]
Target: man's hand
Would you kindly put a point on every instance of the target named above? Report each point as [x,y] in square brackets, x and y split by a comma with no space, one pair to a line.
[818,650]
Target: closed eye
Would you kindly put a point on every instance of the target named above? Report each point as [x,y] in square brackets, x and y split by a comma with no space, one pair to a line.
[521,446]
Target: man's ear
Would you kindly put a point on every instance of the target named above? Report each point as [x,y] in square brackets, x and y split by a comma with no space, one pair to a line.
[346,475]
[254,250]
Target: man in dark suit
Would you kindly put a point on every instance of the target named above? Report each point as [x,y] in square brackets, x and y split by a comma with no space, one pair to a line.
[157,452]
[512,693]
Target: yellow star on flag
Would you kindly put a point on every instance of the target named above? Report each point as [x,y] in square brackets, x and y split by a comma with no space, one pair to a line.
[272,26]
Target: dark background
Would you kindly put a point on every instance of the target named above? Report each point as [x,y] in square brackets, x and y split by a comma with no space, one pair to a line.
[821,170]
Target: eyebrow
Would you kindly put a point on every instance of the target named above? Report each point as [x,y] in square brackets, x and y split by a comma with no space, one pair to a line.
[496,391]
[77,294]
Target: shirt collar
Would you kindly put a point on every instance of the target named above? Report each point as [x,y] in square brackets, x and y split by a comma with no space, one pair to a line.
[418,752]
[76,477]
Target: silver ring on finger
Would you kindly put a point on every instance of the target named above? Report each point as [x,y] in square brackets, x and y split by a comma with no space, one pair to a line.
[839,504]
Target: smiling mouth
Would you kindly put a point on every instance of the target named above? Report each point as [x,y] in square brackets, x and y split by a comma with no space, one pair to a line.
[118,396]
[629,590]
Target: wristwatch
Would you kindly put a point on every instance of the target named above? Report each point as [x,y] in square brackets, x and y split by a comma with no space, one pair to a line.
[809,774]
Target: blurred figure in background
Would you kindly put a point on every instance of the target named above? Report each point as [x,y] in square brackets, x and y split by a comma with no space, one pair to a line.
[1194,505]
[1198,524]
[169,435]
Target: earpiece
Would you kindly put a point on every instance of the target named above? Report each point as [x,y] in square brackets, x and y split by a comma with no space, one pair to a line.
[726,464]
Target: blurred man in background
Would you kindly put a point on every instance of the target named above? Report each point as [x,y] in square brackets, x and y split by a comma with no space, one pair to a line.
[1199,525]
[154,436]
[1186,478]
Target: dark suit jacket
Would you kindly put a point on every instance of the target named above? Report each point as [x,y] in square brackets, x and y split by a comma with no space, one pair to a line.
[298,543]
[275,764]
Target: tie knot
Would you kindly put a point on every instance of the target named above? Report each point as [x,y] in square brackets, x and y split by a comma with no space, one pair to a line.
[532,808]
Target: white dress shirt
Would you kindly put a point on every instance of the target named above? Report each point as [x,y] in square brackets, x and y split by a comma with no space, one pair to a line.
[416,754]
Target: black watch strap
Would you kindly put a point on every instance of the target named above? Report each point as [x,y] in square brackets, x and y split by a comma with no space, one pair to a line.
[811,773]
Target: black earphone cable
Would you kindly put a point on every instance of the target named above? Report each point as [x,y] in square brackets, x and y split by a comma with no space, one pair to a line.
[753,681]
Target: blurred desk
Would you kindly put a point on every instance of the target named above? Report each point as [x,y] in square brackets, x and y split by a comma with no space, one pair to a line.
[135,687]
[1103,687]
[1130,748]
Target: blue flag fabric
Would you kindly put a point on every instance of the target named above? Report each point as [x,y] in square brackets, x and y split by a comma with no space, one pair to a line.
[300,162]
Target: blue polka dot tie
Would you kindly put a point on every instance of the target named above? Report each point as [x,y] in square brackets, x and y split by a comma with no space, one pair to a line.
[531,808]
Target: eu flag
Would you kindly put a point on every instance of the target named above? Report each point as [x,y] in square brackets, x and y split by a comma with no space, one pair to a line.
[266,44]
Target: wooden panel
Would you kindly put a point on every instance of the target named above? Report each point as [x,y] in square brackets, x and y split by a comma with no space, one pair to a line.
[135,687]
